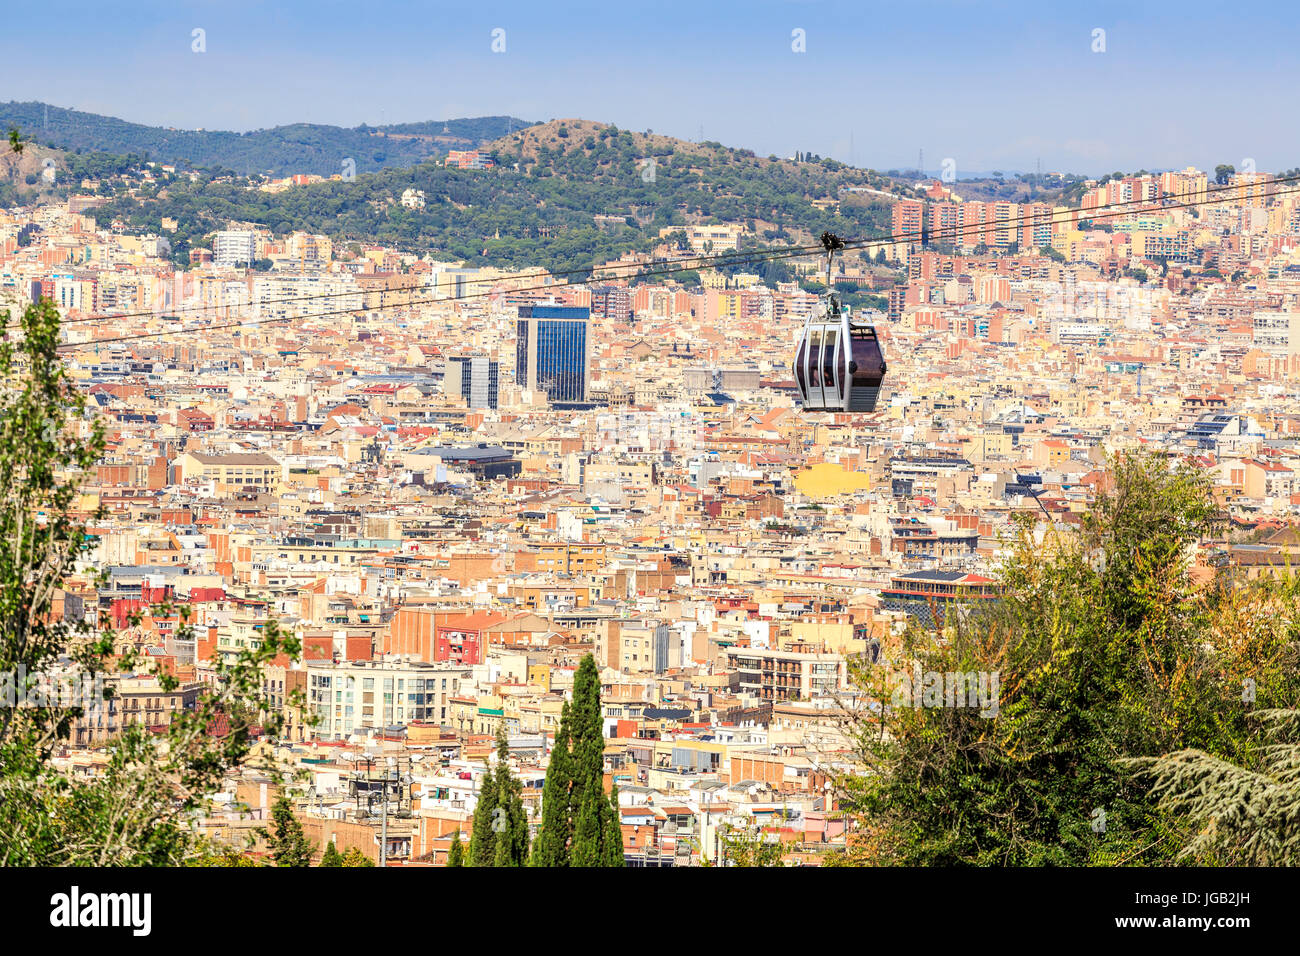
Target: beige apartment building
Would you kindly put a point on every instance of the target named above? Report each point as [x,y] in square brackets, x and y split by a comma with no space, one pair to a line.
[635,647]
[230,474]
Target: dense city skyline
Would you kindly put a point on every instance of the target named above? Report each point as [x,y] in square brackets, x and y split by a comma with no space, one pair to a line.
[584,438]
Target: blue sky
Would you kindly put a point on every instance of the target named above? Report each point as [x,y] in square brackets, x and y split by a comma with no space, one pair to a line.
[990,85]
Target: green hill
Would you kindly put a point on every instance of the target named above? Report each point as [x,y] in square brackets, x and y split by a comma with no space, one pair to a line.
[299,148]
[563,194]
[39,174]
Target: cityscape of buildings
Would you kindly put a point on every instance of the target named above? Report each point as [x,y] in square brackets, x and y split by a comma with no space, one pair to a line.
[452,483]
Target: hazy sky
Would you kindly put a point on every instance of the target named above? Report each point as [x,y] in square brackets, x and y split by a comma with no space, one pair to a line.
[990,85]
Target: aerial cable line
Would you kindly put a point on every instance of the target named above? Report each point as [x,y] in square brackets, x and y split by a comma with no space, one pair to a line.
[731,258]
[1115,210]
[700,261]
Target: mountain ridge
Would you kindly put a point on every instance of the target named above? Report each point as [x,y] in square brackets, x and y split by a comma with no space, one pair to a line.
[563,194]
[311,148]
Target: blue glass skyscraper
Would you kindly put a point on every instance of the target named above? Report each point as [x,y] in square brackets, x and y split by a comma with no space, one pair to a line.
[552,351]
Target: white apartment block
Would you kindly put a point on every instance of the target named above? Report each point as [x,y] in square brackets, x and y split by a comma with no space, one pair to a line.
[350,696]
[233,247]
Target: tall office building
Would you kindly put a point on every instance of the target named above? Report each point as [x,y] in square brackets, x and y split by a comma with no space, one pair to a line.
[553,351]
[474,378]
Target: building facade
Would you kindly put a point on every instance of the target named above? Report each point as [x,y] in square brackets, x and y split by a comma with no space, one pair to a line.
[355,695]
[475,378]
[234,247]
[553,351]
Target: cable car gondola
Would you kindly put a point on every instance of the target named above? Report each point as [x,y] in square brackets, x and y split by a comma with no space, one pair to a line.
[838,366]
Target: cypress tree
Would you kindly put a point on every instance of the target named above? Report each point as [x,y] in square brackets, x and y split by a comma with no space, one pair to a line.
[584,829]
[597,839]
[588,744]
[612,850]
[510,825]
[331,856]
[482,839]
[587,834]
[551,848]
[456,855]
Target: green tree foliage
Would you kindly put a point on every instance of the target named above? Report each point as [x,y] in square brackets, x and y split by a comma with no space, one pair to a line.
[536,208]
[355,858]
[456,855]
[482,837]
[749,846]
[296,148]
[1107,647]
[138,810]
[551,846]
[611,849]
[225,856]
[289,845]
[500,833]
[1245,814]
[580,824]
[511,823]
[331,856]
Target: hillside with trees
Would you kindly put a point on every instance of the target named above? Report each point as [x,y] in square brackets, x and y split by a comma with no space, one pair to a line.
[281,150]
[561,195]
[34,174]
